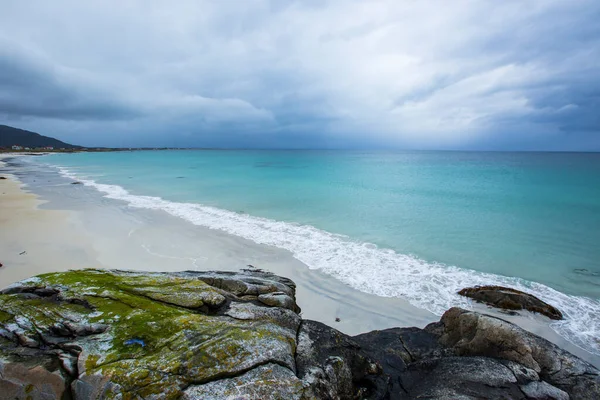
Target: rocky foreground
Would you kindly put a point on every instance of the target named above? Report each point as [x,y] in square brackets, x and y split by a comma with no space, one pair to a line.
[93,334]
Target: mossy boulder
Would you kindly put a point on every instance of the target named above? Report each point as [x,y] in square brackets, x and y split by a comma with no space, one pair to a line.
[119,334]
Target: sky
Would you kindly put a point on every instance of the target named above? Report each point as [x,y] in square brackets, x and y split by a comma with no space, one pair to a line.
[381,74]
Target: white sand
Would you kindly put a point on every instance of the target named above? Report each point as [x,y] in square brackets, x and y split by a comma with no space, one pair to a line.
[34,241]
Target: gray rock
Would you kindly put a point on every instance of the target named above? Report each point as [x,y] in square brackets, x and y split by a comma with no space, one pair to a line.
[521,373]
[247,282]
[543,391]
[473,334]
[459,378]
[94,387]
[268,382]
[394,349]
[250,312]
[278,299]
[20,381]
[333,365]
[410,344]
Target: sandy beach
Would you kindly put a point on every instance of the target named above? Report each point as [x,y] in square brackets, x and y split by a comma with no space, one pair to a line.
[59,234]
[35,241]
[48,224]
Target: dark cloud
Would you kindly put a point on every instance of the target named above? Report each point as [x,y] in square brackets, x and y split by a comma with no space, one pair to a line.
[265,73]
[29,88]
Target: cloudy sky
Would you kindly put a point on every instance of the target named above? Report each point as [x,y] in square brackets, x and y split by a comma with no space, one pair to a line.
[427,74]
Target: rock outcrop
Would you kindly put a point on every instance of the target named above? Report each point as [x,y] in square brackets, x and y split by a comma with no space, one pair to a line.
[510,299]
[93,334]
[472,334]
[106,334]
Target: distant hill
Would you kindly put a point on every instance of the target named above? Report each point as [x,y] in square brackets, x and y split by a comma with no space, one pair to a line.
[10,136]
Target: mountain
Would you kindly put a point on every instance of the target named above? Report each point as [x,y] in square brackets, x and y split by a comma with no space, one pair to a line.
[10,136]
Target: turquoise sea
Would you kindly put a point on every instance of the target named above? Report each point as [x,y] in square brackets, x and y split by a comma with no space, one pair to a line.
[419,225]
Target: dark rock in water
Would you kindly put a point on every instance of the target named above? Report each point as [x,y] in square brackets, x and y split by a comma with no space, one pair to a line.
[76,183]
[93,334]
[3,178]
[511,299]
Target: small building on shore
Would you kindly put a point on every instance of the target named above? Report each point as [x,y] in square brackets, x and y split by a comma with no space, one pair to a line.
[15,147]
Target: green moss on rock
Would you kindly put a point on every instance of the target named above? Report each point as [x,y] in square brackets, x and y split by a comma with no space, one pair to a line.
[147,333]
[5,317]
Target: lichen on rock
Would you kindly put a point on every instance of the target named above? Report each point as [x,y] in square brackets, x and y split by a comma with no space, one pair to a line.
[270,381]
[140,335]
[93,334]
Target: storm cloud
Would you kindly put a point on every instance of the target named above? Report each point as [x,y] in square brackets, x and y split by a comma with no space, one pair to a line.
[282,73]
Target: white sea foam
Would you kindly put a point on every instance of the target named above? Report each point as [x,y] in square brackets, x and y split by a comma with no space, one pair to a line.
[374,270]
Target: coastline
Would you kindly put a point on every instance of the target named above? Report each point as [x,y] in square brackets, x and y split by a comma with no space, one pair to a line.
[35,241]
[115,237]
[74,227]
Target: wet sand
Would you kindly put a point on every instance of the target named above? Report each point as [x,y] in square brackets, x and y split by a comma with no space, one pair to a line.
[35,241]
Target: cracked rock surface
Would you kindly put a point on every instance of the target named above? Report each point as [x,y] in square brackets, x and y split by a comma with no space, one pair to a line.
[92,334]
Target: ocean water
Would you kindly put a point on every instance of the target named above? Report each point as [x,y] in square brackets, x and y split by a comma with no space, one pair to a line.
[418,225]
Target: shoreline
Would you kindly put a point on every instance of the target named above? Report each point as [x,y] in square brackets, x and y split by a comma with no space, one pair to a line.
[147,240]
[35,247]
[105,234]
